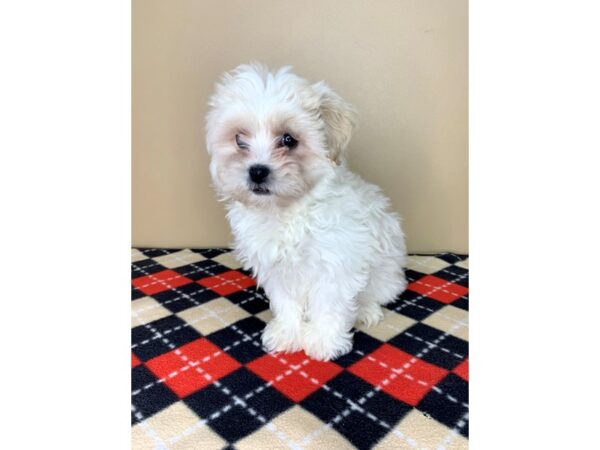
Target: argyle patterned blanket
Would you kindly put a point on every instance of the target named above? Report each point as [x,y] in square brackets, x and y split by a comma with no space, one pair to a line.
[201,379]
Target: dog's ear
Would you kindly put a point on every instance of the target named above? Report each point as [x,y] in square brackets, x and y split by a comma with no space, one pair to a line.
[340,119]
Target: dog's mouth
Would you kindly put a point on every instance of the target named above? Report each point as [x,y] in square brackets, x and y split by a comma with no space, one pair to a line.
[260,190]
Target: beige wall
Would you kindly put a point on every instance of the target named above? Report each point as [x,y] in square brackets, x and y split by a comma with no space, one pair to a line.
[402,63]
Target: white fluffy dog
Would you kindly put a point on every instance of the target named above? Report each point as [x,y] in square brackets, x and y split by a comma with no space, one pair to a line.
[319,240]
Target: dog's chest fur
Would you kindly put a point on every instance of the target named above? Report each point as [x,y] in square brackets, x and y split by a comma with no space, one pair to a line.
[270,243]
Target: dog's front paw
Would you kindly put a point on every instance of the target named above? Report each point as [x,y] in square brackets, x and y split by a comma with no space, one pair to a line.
[369,314]
[326,344]
[279,338]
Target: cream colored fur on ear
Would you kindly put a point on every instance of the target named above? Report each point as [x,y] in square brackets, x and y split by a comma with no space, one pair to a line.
[340,119]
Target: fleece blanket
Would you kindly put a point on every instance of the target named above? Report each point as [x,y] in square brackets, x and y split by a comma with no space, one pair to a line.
[201,379]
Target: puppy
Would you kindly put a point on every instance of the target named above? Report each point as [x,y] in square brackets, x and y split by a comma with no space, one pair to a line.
[321,241]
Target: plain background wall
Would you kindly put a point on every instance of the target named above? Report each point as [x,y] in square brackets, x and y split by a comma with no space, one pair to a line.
[402,63]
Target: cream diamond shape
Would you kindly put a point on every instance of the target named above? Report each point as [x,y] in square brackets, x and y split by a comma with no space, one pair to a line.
[180,258]
[451,320]
[417,431]
[212,316]
[391,325]
[146,310]
[426,264]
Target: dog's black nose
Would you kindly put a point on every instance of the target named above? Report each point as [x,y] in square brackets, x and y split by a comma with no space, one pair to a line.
[258,173]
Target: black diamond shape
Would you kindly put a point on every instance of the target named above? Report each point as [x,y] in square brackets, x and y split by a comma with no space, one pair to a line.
[358,427]
[211,252]
[154,252]
[147,344]
[415,306]
[185,297]
[238,421]
[247,272]
[251,299]
[145,267]
[201,269]
[150,397]
[413,275]
[452,258]
[363,345]
[417,341]
[136,293]
[462,303]
[446,403]
[454,274]
[245,334]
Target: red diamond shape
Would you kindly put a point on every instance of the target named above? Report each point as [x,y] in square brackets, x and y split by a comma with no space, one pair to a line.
[134,361]
[462,370]
[228,282]
[160,281]
[192,366]
[297,379]
[438,289]
[399,374]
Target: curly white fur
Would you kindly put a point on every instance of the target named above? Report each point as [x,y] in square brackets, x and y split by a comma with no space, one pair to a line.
[322,243]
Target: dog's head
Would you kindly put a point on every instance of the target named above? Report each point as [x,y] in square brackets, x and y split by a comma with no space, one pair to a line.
[272,136]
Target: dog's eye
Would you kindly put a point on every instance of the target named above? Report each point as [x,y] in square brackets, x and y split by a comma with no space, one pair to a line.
[287,140]
[241,144]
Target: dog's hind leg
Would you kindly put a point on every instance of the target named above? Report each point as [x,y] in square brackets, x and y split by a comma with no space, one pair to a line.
[384,286]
